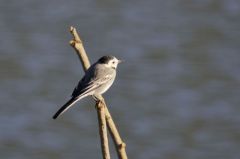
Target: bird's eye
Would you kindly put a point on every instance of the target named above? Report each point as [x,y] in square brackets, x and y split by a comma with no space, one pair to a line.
[113,62]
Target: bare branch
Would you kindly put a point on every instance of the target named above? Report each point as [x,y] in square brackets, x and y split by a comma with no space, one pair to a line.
[103,129]
[120,146]
[77,44]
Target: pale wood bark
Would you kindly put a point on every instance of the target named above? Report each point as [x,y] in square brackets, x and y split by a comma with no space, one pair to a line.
[120,146]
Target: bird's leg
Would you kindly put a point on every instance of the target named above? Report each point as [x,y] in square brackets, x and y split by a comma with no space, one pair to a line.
[96,97]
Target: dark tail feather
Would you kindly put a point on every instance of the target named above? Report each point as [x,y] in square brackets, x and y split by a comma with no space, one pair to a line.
[65,107]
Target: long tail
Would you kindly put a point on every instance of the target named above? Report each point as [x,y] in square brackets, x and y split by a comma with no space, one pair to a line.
[65,107]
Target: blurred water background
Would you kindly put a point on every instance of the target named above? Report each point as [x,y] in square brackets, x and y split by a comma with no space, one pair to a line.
[177,95]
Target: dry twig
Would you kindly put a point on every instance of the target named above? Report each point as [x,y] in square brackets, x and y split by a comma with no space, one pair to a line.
[120,146]
[103,129]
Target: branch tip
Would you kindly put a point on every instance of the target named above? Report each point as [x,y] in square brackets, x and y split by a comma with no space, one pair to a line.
[76,36]
[71,28]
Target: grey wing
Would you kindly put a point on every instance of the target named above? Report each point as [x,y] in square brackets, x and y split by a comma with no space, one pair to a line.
[93,79]
[84,82]
[103,75]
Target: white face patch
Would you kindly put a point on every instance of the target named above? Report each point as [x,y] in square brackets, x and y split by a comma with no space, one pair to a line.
[112,63]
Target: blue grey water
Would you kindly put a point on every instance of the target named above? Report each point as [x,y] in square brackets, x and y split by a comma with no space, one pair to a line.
[177,96]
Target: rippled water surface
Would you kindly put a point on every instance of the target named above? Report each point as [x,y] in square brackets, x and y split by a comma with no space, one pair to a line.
[177,95]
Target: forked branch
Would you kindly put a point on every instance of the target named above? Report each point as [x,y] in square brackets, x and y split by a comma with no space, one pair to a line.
[120,146]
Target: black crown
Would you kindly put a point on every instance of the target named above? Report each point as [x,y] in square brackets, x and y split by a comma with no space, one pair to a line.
[105,59]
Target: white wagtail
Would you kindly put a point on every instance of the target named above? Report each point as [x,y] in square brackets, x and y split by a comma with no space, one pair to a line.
[97,80]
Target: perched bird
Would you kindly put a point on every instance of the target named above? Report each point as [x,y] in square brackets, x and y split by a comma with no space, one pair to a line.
[97,80]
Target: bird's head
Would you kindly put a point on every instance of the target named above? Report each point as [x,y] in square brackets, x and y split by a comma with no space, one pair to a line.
[109,61]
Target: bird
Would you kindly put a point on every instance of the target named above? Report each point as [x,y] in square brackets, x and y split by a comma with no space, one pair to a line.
[98,78]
